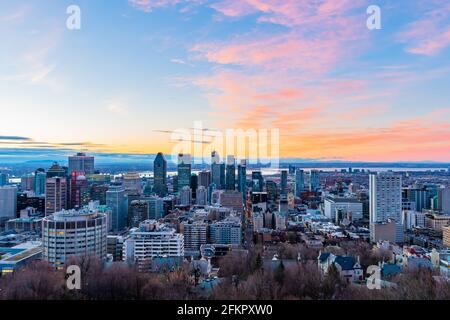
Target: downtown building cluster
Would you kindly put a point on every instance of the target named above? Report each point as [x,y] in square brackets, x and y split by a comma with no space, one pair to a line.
[199,214]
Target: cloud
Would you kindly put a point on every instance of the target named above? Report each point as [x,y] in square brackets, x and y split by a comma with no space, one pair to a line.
[16,15]
[430,34]
[150,5]
[14,138]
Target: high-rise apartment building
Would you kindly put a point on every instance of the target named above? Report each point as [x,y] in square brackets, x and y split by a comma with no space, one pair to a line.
[55,194]
[385,198]
[227,231]
[195,234]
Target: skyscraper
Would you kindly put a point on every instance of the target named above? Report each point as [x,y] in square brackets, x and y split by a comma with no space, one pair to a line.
[217,171]
[184,171]
[230,179]
[55,195]
[257,181]
[8,202]
[299,182]
[202,196]
[56,171]
[81,163]
[3,179]
[132,183]
[139,212]
[194,185]
[117,202]
[160,175]
[444,200]
[39,181]
[186,196]
[204,178]
[242,179]
[78,190]
[314,182]
[284,184]
[385,198]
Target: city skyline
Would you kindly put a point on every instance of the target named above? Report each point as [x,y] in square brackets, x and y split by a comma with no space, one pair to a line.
[335,89]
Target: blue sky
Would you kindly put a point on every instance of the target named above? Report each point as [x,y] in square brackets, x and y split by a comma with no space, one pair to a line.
[309,68]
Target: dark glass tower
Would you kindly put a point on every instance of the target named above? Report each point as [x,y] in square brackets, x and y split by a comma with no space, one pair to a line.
[160,175]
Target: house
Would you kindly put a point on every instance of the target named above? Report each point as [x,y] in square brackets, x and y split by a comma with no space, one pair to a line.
[349,268]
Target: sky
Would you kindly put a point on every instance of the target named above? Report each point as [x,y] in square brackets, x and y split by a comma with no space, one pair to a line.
[139,69]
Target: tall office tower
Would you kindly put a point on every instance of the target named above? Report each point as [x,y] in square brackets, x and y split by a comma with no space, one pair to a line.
[73,233]
[420,197]
[8,202]
[81,163]
[444,200]
[156,208]
[160,175]
[204,178]
[39,181]
[314,182]
[242,179]
[132,183]
[3,179]
[230,179]
[216,169]
[291,169]
[227,231]
[117,202]
[186,196]
[152,240]
[27,182]
[139,212]
[184,171]
[194,185]
[284,182]
[202,196]
[78,190]
[195,235]
[385,199]
[272,190]
[56,171]
[299,182]
[211,189]
[257,181]
[97,192]
[55,195]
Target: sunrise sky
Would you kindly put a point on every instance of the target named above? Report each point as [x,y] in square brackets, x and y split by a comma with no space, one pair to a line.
[310,68]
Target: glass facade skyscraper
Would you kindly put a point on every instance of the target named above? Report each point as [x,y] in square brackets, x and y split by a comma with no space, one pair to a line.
[160,175]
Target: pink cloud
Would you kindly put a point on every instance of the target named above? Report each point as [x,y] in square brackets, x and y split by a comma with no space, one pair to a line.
[430,34]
